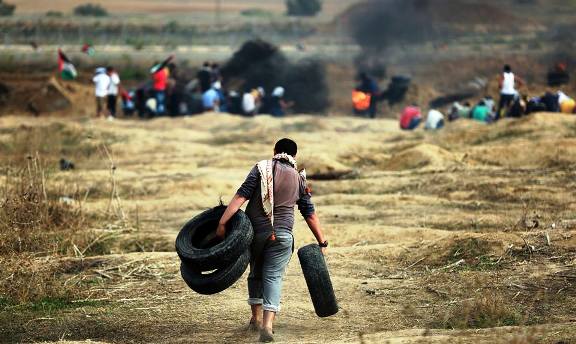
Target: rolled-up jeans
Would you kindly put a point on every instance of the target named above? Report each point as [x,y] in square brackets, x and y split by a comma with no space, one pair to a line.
[267,265]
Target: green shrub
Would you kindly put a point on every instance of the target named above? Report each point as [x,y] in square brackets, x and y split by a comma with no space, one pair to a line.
[90,10]
[6,9]
[256,12]
[54,14]
[303,7]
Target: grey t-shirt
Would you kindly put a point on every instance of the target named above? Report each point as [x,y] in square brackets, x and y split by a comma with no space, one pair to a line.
[289,190]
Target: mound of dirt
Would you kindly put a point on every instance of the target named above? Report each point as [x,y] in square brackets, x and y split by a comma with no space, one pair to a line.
[325,168]
[52,96]
[46,94]
[423,156]
[477,252]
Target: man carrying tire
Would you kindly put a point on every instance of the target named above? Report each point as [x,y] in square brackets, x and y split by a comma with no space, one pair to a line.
[273,187]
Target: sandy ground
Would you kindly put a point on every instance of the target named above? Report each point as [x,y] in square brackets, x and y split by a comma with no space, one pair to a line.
[398,209]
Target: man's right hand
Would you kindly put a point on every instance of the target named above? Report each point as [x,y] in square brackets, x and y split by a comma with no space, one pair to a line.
[221,230]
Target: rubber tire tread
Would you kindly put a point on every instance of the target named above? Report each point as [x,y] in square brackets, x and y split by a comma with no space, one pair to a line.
[218,280]
[318,280]
[239,235]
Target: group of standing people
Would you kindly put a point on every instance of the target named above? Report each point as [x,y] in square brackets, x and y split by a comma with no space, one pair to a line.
[166,94]
[106,87]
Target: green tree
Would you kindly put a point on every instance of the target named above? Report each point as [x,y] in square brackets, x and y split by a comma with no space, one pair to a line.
[303,7]
[6,9]
[90,10]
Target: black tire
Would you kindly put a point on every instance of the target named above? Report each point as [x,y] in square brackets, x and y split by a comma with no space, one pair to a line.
[218,280]
[318,280]
[199,247]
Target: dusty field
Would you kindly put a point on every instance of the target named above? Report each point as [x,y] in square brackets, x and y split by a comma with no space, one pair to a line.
[435,237]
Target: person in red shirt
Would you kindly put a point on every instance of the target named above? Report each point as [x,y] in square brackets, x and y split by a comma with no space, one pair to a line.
[159,82]
[410,118]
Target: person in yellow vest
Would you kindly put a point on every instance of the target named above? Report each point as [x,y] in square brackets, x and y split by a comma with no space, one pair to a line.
[567,104]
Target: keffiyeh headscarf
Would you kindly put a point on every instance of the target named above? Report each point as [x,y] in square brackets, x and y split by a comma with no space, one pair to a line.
[267,181]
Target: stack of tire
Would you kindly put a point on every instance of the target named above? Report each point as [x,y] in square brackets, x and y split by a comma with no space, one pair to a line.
[209,264]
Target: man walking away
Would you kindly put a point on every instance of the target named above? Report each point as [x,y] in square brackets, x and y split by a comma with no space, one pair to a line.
[101,85]
[507,82]
[273,187]
[112,92]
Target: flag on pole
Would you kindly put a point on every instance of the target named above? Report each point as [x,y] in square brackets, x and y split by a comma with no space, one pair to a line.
[65,67]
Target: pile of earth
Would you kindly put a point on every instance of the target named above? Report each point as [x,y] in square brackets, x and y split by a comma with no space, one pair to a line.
[423,156]
[44,94]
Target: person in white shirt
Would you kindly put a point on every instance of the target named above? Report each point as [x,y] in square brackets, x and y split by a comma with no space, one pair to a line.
[508,91]
[435,120]
[101,84]
[250,101]
[211,98]
[113,90]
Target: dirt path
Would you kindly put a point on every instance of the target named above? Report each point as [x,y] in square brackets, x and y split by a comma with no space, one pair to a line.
[404,210]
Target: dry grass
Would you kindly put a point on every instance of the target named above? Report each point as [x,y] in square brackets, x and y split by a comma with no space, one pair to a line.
[488,309]
[393,234]
[43,218]
[36,226]
[33,217]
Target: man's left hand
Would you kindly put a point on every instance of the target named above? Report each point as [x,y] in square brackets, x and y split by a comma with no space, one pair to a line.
[221,231]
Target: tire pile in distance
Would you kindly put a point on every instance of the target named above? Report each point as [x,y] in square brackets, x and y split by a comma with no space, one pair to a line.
[209,264]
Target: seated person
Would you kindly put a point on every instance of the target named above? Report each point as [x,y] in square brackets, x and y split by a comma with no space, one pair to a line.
[434,120]
[481,113]
[459,111]
[551,101]
[410,118]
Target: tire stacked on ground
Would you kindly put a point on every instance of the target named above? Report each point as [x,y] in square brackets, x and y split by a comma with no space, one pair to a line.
[209,264]
[318,280]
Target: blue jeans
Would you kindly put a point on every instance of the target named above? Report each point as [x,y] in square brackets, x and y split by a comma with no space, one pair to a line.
[267,264]
[160,102]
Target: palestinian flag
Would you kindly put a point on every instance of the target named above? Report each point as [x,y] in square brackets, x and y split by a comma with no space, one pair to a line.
[65,67]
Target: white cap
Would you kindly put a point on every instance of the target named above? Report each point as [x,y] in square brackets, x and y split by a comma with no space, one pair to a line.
[261,91]
[278,92]
[100,70]
[216,85]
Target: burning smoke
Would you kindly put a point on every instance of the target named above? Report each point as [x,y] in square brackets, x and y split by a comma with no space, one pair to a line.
[379,24]
[259,63]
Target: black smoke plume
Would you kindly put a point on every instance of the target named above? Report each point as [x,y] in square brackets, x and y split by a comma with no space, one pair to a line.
[260,64]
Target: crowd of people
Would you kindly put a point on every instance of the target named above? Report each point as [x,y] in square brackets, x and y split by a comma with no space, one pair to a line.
[512,104]
[165,95]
